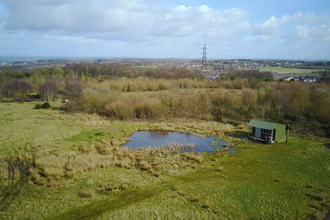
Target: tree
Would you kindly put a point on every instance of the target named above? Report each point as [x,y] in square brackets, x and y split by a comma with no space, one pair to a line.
[57,72]
[19,85]
[39,75]
[12,73]
[73,88]
[48,90]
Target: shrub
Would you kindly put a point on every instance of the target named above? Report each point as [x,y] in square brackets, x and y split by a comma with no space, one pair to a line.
[235,123]
[153,86]
[90,101]
[149,108]
[45,105]
[121,109]
[42,106]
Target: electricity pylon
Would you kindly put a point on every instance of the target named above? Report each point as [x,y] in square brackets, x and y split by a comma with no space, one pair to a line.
[204,62]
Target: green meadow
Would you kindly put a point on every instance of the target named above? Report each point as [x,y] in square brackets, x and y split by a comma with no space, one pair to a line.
[283,70]
[144,67]
[56,165]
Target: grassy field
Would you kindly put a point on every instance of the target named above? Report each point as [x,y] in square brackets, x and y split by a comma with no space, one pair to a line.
[258,181]
[144,67]
[282,70]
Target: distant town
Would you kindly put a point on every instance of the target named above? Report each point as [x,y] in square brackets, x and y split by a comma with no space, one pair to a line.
[220,65]
[211,67]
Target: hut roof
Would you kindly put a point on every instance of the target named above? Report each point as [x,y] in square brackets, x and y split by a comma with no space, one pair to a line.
[262,124]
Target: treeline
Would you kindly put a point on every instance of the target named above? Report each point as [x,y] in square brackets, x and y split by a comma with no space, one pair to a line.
[113,71]
[265,75]
[67,81]
[87,71]
[47,83]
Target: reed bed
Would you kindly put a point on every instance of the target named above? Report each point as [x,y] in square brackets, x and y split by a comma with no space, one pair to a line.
[53,169]
[169,148]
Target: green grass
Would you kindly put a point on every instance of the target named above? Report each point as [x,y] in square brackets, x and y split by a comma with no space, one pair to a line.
[144,67]
[282,70]
[259,181]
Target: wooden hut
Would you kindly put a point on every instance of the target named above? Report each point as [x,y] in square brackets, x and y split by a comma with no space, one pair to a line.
[260,129]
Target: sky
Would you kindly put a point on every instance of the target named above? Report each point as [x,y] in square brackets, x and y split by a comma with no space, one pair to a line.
[236,29]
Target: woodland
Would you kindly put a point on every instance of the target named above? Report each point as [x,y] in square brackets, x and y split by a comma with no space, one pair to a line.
[123,92]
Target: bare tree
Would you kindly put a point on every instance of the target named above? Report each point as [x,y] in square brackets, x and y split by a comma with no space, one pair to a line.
[19,85]
[48,90]
[73,88]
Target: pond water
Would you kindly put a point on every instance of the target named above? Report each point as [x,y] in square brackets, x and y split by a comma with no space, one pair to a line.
[160,138]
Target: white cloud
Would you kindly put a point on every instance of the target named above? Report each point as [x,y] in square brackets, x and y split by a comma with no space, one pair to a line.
[302,32]
[305,33]
[117,19]
[140,22]
[76,17]
[201,21]
[275,26]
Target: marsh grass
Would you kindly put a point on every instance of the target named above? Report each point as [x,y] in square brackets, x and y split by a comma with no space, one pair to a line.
[102,154]
[67,163]
[86,193]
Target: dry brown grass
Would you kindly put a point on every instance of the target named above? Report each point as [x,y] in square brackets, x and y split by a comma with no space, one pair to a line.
[182,193]
[3,169]
[145,165]
[192,156]
[206,205]
[86,193]
[54,165]
[156,174]
[196,199]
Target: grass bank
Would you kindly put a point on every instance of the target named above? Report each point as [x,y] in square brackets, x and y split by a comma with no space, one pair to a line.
[259,181]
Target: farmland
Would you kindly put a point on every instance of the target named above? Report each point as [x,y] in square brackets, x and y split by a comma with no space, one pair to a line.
[288,71]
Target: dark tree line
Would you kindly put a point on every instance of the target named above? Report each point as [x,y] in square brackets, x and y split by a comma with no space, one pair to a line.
[112,71]
[265,75]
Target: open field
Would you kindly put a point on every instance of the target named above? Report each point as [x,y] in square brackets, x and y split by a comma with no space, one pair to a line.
[282,70]
[144,67]
[259,181]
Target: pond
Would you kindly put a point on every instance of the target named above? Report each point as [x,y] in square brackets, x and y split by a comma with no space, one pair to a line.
[143,139]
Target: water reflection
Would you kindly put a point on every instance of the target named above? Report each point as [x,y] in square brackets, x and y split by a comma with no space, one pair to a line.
[158,134]
[160,138]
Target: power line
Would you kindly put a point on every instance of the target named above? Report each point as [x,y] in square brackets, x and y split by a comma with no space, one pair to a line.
[204,61]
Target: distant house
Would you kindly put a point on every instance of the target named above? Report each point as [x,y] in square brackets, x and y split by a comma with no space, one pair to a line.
[260,129]
[309,80]
[290,78]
